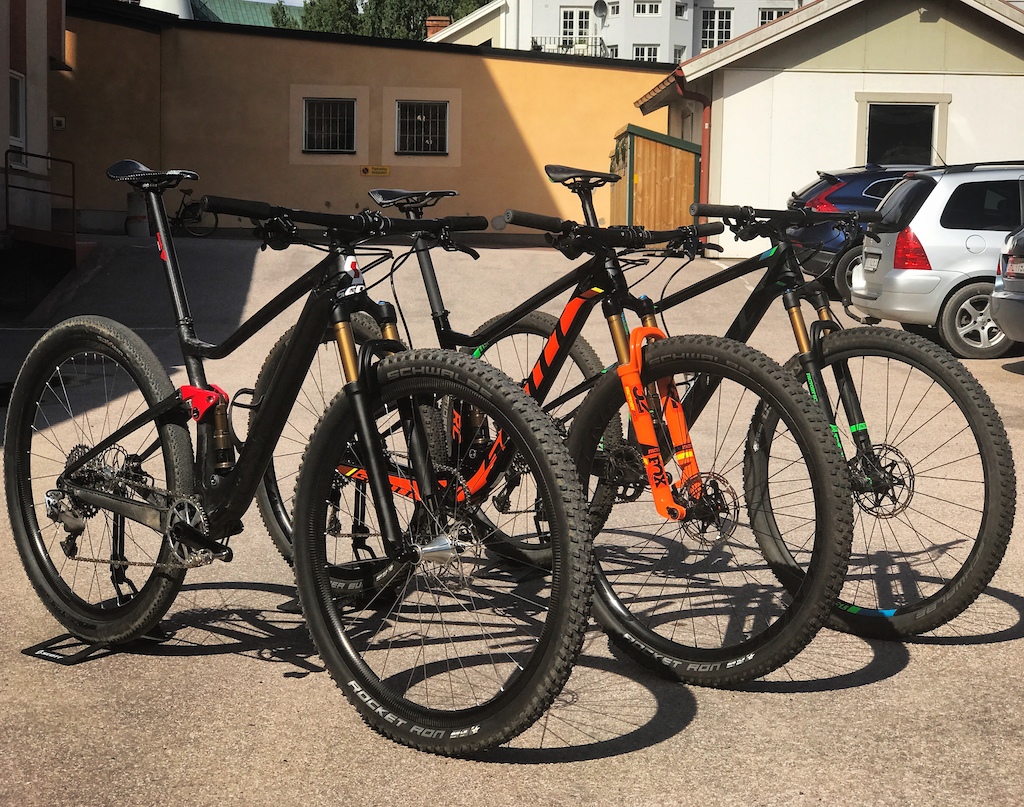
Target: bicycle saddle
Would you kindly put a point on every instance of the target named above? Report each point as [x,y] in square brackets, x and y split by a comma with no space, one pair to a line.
[137,175]
[577,176]
[407,200]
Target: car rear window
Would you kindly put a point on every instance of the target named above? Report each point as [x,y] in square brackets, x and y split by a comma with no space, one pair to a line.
[877,190]
[903,202]
[993,205]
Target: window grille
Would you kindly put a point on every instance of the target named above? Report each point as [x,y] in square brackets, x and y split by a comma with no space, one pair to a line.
[422,127]
[330,125]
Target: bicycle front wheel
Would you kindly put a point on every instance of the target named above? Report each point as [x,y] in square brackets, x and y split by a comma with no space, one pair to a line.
[701,598]
[453,647]
[935,495]
[105,578]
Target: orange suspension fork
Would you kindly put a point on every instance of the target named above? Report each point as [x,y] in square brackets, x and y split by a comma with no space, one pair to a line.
[630,355]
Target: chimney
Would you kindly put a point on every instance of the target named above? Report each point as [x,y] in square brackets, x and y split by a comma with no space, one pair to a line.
[435,24]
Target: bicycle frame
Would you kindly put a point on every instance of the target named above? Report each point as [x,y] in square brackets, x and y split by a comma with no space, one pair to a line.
[598,280]
[226,486]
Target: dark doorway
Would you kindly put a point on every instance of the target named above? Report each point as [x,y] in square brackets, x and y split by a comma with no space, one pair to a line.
[900,133]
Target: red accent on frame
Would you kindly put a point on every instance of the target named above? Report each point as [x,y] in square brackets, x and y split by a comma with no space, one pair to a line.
[201,400]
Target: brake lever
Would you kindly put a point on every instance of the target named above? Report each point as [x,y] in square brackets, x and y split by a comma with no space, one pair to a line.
[448,244]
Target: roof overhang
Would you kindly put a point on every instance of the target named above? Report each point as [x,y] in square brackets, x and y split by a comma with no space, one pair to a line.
[783,27]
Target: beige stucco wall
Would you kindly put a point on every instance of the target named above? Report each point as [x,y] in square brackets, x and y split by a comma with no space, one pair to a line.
[223,102]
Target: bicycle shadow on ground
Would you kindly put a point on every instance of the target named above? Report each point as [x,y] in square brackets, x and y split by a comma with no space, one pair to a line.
[608,707]
[996,616]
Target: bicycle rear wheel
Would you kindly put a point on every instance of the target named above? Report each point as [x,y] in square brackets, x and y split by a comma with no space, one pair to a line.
[935,499]
[455,648]
[105,578]
[701,598]
[275,496]
[198,222]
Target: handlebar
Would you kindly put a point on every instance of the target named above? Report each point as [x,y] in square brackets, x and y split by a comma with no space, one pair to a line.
[611,237]
[743,214]
[367,223]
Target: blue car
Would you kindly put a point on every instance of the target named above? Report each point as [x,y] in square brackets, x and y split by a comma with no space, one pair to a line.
[859,188]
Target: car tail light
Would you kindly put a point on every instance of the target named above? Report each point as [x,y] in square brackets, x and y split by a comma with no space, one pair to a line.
[1014,267]
[820,203]
[909,253]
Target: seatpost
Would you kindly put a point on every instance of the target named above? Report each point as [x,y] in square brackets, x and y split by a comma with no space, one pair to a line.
[182,315]
[437,310]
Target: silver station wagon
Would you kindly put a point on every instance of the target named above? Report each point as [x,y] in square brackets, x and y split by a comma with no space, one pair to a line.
[934,264]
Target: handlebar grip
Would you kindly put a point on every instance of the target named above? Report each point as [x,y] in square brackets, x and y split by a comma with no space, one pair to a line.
[239,207]
[709,228]
[719,211]
[521,218]
[464,223]
[868,216]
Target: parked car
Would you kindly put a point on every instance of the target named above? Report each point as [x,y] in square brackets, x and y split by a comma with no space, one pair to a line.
[859,188]
[1008,292]
[934,265]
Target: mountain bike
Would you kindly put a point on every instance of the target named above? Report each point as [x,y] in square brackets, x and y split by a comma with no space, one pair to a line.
[740,621]
[438,641]
[192,218]
[930,462]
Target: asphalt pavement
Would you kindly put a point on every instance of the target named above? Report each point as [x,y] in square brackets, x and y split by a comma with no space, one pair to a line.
[236,707]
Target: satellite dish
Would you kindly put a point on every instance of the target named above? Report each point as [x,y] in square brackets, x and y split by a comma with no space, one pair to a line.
[600,9]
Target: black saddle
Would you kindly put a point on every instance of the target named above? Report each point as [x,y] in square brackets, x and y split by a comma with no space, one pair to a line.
[407,200]
[138,176]
[578,177]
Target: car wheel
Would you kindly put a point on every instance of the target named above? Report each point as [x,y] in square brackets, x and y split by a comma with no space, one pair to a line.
[844,272]
[966,327]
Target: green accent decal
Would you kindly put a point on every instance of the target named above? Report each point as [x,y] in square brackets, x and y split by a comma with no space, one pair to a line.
[859,427]
[835,434]
[810,386]
[480,351]
[768,254]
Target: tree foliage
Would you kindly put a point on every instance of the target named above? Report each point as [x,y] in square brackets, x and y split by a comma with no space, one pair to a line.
[280,17]
[389,19]
[333,16]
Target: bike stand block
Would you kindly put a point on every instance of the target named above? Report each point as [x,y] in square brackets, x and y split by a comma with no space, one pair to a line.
[68,650]
[65,650]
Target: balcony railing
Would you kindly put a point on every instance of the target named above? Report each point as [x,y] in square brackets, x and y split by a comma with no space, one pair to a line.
[571,45]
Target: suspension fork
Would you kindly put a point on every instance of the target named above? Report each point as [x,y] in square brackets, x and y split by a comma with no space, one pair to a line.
[810,356]
[629,352]
[358,386]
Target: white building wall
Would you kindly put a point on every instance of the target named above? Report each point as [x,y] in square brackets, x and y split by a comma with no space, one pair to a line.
[766,150]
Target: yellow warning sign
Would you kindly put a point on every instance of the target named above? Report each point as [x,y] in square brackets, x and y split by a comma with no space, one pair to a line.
[375,170]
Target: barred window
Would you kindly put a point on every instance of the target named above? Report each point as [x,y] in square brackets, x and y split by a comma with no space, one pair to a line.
[330,125]
[422,128]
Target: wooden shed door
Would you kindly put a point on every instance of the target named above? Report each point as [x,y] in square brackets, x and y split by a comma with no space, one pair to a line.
[659,179]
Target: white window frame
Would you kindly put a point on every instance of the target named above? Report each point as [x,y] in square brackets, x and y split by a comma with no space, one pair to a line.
[646,9]
[613,51]
[574,24]
[767,15]
[349,121]
[720,30]
[678,53]
[18,118]
[645,53]
[613,9]
[682,11]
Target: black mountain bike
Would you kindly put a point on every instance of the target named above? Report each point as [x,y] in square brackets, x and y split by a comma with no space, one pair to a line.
[192,218]
[695,481]
[929,459]
[403,523]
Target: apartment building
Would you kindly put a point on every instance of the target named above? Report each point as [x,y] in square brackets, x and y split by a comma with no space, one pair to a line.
[640,30]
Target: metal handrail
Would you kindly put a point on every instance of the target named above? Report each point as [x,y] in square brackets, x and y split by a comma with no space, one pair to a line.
[570,44]
[8,186]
